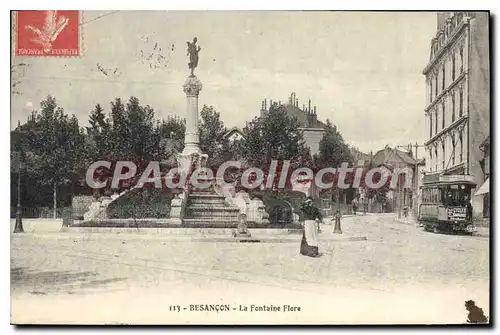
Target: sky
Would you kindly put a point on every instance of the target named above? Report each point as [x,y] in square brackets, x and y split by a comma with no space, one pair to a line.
[362,70]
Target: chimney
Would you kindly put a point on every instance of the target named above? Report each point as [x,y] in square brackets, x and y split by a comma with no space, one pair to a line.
[270,103]
[314,110]
[303,107]
[290,99]
[309,108]
[279,102]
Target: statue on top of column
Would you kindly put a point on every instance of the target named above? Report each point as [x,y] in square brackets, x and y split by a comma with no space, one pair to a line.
[192,52]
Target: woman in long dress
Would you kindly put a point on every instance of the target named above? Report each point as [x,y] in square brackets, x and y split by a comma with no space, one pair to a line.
[309,244]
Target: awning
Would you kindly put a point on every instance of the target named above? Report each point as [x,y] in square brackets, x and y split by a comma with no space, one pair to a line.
[485,188]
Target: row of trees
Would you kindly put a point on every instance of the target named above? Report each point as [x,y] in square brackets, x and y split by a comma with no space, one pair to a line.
[53,151]
[57,150]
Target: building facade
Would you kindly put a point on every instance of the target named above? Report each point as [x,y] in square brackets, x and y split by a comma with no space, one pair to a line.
[312,128]
[394,158]
[485,189]
[458,97]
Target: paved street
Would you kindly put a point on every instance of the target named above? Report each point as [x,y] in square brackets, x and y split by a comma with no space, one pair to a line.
[400,273]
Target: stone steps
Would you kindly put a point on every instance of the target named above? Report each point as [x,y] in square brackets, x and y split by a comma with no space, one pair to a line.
[211,209]
[195,200]
[212,222]
[213,212]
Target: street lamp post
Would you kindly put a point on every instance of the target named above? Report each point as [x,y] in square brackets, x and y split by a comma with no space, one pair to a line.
[337,216]
[18,228]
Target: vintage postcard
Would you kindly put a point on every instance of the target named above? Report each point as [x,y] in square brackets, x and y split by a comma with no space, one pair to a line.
[250,167]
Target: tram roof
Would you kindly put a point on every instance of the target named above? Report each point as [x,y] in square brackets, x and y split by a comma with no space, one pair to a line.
[443,180]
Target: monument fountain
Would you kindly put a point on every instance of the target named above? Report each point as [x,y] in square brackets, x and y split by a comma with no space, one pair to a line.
[198,206]
[211,206]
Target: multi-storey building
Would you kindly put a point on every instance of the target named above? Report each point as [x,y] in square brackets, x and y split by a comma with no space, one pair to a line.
[458,97]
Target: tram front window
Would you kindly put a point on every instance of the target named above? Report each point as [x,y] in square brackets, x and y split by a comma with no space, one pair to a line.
[456,196]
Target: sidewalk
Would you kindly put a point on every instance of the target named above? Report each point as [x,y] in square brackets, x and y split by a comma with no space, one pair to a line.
[185,234]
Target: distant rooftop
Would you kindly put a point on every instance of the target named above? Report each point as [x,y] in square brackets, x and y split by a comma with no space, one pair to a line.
[387,154]
[306,115]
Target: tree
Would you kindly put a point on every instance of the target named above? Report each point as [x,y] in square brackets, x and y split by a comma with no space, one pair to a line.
[212,131]
[332,149]
[131,133]
[55,141]
[275,136]
[118,131]
[171,133]
[99,133]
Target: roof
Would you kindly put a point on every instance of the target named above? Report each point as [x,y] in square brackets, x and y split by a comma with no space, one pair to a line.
[388,167]
[358,155]
[485,144]
[306,120]
[232,131]
[385,155]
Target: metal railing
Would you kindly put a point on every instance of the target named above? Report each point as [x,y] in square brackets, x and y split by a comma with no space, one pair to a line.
[38,212]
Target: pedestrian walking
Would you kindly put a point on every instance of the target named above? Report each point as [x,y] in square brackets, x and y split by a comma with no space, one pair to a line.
[309,243]
[354,206]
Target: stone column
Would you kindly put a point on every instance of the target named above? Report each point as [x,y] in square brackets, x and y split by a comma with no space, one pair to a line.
[192,88]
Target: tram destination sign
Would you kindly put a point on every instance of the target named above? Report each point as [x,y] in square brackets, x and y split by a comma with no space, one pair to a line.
[459,178]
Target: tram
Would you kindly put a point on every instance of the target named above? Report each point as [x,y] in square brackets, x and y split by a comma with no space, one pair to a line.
[445,204]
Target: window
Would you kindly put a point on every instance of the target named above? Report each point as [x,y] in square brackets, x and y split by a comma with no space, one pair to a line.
[430,118]
[444,155]
[436,86]
[430,156]
[436,154]
[461,104]
[453,67]
[461,59]
[460,139]
[452,107]
[443,122]
[443,78]
[453,150]
[431,90]
[436,125]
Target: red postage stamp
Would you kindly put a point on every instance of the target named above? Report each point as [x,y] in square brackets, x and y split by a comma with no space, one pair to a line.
[47,33]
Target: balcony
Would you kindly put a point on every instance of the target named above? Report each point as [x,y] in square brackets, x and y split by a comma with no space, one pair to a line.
[443,131]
